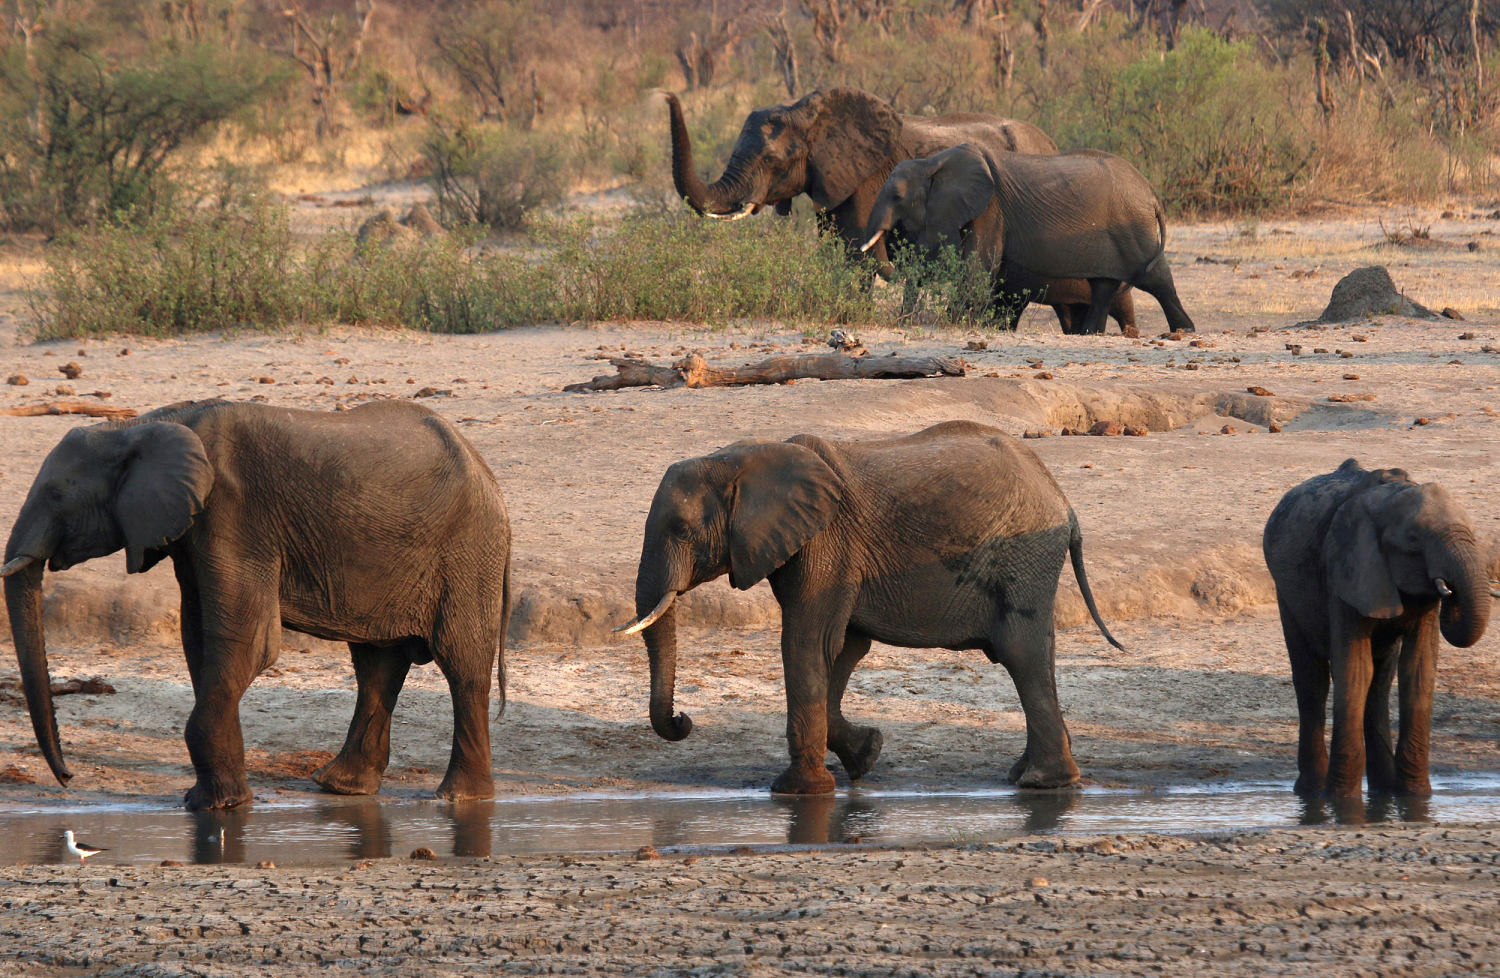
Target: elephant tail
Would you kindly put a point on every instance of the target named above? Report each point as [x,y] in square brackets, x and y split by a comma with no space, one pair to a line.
[1075,550]
[505,598]
[1161,247]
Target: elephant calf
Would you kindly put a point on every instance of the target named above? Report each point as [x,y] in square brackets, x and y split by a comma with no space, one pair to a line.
[952,537]
[380,526]
[1034,219]
[1369,568]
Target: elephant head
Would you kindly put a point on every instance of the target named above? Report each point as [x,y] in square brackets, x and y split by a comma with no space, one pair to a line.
[930,200]
[744,510]
[1398,539]
[137,486]
[823,145]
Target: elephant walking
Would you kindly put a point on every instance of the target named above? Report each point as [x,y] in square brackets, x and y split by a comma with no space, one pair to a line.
[379,526]
[1083,215]
[952,537]
[837,145]
[1370,568]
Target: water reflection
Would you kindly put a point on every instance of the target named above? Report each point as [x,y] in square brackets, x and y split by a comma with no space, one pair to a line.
[218,836]
[1362,811]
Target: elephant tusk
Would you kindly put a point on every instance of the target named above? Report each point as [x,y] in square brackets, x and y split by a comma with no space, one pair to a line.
[1443,587]
[1495,592]
[873,239]
[745,211]
[18,564]
[641,624]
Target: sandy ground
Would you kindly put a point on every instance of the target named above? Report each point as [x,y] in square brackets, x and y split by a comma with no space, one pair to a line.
[1171,524]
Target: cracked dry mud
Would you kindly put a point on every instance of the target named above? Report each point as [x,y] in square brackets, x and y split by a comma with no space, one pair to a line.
[1171,526]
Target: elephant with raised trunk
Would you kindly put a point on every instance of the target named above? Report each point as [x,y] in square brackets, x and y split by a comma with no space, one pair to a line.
[952,537]
[379,526]
[1083,215]
[837,145]
[1370,568]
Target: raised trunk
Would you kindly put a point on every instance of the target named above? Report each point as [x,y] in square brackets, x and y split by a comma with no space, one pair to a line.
[1465,613]
[725,196]
[661,646]
[23,601]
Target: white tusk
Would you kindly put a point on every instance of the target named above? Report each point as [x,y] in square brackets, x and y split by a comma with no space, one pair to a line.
[641,624]
[745,211]
[873,238]
[1443,587]
[1494,593]
[18,564]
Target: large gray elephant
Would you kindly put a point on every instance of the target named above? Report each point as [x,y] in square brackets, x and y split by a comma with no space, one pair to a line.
[1369,568]
[837,145]
[379,526]
[1082,215]
[952,537]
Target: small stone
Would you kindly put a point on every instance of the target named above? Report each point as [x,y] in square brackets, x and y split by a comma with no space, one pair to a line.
[1228,429]
[1473,245]
[1320,349]
[1136,431]
[1274,428]
[124,353]
[1203,344]
[341,361]
[1295,348]
[352,380]
[422,852]
[646,854]
[64,390]
[977,345]
[1467,336]
[1351,376]
[1360,338]
[265,380]
[1043,375]
[1036,433]
[1189,366]
[1422,421]
[432,392]
[17,380]
[1174,335]
[1259,392]
[1038,883]
[1107,428]
[324,380]
[267,864]
[71,370]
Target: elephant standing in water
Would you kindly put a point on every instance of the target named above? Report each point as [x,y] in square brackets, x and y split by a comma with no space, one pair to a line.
[952,537]
[1084,215]
[837,145]
[380,526]
[1369,568]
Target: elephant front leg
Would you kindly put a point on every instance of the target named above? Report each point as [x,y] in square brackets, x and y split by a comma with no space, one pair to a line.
[1417,681]
[380,674]
[214,741]
[1353,669]
[806,656]
[857,747]
[1380,757]
[1310,682]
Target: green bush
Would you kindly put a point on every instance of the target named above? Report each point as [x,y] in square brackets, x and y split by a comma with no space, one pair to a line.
[494,175]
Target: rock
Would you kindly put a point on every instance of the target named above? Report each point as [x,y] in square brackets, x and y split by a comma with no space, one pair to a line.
[265,864]
[1451,313]
[1228,429]
[422,852]
[71,370]
[1422,421]
[1259,392]
[1038,883]
[1043,375]
[17,380]
[265,380]
[977,345]
[646,854]
[1351,376]
[1369,291]
[432,392]
[1107,428]
[1136,431]
[1274,428]
[64,390]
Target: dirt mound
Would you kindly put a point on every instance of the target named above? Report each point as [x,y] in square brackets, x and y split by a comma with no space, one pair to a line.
[1369,291]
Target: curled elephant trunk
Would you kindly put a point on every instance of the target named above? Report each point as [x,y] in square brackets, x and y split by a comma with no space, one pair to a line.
[23,602]
[1465,587]
[727,198]
[661,647]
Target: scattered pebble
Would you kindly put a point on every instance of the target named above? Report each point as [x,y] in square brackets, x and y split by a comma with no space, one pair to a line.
[17,380]
[1351,376]
[71,370]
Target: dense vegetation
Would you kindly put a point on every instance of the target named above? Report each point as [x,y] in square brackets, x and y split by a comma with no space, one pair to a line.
[118,119]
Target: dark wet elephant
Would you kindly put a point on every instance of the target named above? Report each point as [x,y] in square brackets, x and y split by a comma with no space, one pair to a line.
[379,526]
[1369,568]
[837,145]
[1084,215]
[952,537]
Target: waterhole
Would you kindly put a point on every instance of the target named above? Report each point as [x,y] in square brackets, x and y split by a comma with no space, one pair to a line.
[365,828]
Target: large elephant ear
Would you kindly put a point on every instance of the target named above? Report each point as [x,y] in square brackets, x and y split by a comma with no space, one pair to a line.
[961,188]
[1357,570]
[784,496]
[852,138]
[166,480]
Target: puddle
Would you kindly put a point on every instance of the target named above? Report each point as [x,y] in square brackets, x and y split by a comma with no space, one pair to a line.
[343,828]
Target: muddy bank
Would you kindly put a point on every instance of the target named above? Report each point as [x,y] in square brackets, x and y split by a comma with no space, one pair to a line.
[1391,901]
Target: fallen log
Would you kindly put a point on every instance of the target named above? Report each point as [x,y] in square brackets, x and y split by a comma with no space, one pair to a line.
[693,371]
[68,407]
[11,692]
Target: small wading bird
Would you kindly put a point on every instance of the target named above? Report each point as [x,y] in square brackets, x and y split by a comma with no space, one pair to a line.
[80,849]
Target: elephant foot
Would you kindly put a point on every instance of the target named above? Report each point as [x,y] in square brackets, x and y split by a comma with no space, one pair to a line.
[216,793]
[1026,774]
[344,778]
[466,786]
[797,780]
[859,750]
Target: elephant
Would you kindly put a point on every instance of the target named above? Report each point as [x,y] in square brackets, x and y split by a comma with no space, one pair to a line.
[379,526]
[1369,568]
[836,145]
[1081,215]
[952,537]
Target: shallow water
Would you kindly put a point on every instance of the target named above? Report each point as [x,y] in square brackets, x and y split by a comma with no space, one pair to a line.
[345,828]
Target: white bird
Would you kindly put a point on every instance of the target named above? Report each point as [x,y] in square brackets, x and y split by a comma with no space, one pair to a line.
[80,849]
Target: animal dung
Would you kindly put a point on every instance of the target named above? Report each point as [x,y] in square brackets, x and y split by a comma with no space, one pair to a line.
[17,380]
[1259,391]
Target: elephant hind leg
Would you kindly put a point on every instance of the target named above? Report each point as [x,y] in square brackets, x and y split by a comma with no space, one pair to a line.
[468,662]
[1101,295]
[380,672]
[1158,284]
[857,747]
[1380,755]
[1025,646]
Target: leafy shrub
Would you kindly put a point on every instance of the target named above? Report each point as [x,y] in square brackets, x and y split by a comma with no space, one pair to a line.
[945,288]
[494,175]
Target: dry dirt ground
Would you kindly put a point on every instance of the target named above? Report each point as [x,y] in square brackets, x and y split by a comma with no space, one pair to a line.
[1171,526]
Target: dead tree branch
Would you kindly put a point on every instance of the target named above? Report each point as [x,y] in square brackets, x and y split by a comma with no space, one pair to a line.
[693,371]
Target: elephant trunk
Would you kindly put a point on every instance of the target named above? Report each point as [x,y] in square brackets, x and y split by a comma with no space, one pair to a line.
[727,197]
[661,646]
[23,602]
[1466,608]
[882,217]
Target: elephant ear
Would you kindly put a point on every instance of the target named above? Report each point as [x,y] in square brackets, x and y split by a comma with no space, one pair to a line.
[165,481]
[962,187]
[1357,570]
[852,138]
[784,496]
